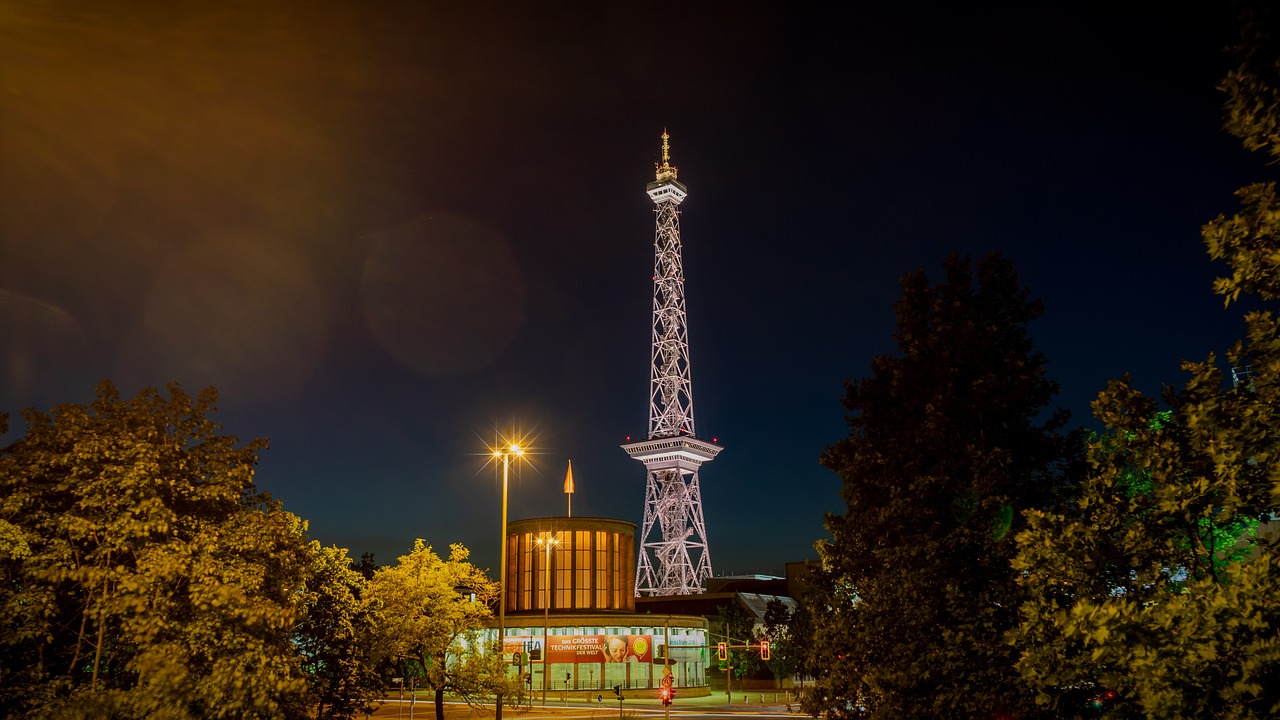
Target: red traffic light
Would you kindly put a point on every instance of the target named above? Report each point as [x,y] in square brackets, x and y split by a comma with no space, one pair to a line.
[764,649]
[723,652]
[666,696]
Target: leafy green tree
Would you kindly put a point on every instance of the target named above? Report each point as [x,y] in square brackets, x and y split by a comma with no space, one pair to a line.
[738,629]
[783,661]
[144,574]
[949,443]
[1149,596]
[336,635]
[1138,600]
[797,646]
[432,611]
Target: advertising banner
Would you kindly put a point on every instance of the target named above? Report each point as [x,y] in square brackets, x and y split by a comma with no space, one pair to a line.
[600,648]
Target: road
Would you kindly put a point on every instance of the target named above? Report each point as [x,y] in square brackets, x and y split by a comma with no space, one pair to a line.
[705,707]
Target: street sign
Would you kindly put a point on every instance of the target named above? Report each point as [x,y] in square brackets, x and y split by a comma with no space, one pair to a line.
[666,681]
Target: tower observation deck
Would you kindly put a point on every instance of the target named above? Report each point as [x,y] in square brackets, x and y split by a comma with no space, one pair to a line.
[674,559]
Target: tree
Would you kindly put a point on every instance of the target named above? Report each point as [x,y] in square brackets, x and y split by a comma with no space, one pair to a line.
[432,612]
[949,443]
[336,635]
[783,659]
[144,573]
[738,630]
[1149,595]
[1139,597]
[367,566]
[797,647]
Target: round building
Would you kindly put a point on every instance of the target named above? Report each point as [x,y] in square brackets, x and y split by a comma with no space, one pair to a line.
[569,596]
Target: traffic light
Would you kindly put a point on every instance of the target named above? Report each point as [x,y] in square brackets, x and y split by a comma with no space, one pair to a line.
[722,652]
[764,649]
[528,679]
[666,696]
[617,690]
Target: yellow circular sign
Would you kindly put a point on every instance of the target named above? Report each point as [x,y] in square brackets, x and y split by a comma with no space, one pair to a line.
[639,647]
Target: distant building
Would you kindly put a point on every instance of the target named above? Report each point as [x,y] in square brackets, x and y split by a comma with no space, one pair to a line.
[750,593]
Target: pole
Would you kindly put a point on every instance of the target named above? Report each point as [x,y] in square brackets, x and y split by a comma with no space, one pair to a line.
[502,582]
[546,616]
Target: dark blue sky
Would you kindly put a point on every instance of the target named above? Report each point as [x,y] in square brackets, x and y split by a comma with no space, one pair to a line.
[386,230]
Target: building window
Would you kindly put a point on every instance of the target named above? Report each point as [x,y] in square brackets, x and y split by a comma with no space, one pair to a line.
[563,569]
[510,581]
[582,569]
[526,568]
[602,569]
[540,578]
[616,583]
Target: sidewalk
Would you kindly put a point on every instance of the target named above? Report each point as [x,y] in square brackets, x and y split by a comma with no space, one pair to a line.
[424,709]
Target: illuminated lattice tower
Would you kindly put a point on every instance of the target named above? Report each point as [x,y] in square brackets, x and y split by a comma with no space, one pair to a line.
[673,538]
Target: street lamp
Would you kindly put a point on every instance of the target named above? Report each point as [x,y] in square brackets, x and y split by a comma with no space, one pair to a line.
[547,541]
[505,455]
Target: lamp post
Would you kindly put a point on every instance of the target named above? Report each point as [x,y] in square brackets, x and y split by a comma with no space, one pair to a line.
[505,456]
[547,541]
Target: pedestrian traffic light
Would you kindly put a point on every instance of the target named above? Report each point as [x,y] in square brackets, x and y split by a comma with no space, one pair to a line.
[723,652]
[764,649]
[666,696]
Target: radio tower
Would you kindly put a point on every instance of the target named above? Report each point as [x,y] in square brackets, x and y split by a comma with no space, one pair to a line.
[673,539]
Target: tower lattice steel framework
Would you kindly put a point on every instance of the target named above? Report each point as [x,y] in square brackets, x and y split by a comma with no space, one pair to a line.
[674,559]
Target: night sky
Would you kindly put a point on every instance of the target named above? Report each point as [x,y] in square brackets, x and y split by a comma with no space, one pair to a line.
[387,231]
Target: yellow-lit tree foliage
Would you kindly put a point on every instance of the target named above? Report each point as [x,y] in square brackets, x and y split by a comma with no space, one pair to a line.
[143,573]
[1155,593]
[432,610]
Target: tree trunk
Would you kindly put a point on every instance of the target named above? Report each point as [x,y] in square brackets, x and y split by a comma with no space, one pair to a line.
[102,625]
[84,619]
[438,680]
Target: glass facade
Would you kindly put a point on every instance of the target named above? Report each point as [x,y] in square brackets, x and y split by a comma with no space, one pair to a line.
[596,658]
[574,564]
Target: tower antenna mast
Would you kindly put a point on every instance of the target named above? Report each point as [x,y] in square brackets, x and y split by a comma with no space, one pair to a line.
[674,558]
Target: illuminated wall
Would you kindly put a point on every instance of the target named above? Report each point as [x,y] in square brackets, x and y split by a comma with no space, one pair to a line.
[575,564]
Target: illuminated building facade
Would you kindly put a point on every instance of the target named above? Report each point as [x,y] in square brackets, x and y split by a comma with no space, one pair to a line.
[570,612]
